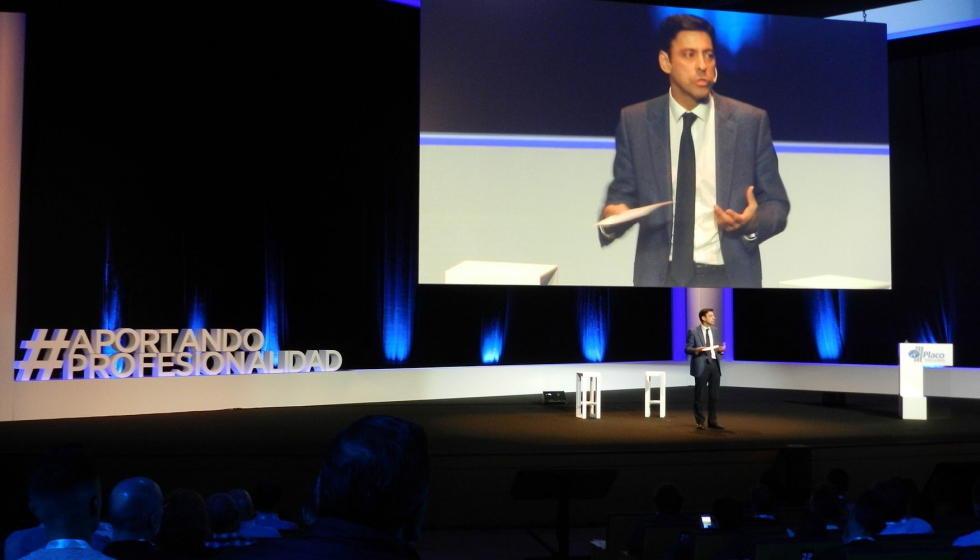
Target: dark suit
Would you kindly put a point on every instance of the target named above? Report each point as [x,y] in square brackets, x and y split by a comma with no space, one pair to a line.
[744,157]
[706,372]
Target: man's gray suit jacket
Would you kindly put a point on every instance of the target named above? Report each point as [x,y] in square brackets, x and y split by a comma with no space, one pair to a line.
[695,340]
[744,157]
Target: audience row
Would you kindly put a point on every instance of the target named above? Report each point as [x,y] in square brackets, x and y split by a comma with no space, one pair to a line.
[366,503]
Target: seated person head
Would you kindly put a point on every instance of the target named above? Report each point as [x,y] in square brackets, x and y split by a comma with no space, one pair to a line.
[771,478]
[976,498]
[223,514]
[868,516]
[65,494]
[726,515]
[669,499]
[246,511]
[376,472]
[184,527]
[135,509]
[922,506]
[839,479]
[267,495]
[826,502]
[763,502]
[895,497]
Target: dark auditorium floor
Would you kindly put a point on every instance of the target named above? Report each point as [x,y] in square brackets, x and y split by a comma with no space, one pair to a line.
[478,445]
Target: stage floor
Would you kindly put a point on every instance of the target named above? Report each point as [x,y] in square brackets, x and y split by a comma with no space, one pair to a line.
[479,444]
[753,418]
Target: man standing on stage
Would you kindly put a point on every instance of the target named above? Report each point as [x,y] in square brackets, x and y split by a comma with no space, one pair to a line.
[705,349]
[712,156]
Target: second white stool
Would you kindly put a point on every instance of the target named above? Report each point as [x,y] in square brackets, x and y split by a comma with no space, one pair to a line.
[647,385]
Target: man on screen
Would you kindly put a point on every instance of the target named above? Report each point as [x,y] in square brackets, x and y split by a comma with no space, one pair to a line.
[710,155]
[705,348]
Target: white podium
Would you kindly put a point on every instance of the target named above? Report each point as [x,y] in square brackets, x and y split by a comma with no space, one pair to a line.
[912,357]
[484,272]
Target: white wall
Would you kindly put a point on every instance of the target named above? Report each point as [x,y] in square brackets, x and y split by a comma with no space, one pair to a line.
[539,205]
[32,400]
[11,112]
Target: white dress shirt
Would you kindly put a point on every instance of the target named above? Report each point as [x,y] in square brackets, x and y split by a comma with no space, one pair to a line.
[706,334]
[707,244]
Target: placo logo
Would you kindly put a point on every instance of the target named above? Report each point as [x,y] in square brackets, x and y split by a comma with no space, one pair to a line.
[916,353]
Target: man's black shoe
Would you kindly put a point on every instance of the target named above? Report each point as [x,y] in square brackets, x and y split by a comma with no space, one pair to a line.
[701,425]
[716,426]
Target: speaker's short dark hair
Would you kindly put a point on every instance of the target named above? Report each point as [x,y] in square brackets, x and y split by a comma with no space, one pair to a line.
[704,312]
[671,26]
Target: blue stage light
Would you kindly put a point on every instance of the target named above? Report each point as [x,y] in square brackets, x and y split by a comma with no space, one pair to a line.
[926,334]
[735,30]
[492,340]
[593,322]
[274,317]
[111,314]
[110,300]
[827,320]
[398,303]
[198,317]
[678,322]
[937,327]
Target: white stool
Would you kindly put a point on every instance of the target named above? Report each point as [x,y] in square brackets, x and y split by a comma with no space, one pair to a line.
[590,397]
[663,392]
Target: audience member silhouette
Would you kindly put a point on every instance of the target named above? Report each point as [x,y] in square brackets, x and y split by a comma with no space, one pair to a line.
[184,528]
[267,495]
[135,510]
[841,481]
[727,517]
[922,506]
[773,479]
[810,526]
[65,494]
[669,501]
[826,502]
[246,517]
[866,521]
[972,539]
[895,492]
[371,492]
[22,542]
[225,524]
[763,507]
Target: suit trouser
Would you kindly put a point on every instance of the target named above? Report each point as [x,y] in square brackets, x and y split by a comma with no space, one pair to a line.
[710,378]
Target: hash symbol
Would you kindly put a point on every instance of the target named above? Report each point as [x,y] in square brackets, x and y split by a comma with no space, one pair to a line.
[42,354]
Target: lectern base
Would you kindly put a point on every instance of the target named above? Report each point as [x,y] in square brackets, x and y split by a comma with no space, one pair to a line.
[913,408]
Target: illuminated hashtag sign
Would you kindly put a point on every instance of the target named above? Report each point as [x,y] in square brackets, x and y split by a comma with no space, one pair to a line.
[107,354]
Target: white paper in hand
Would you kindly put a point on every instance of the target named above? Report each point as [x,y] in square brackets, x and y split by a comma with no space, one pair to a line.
[631,215]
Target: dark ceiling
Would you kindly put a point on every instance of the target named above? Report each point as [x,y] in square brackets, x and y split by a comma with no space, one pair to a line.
[809,8]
